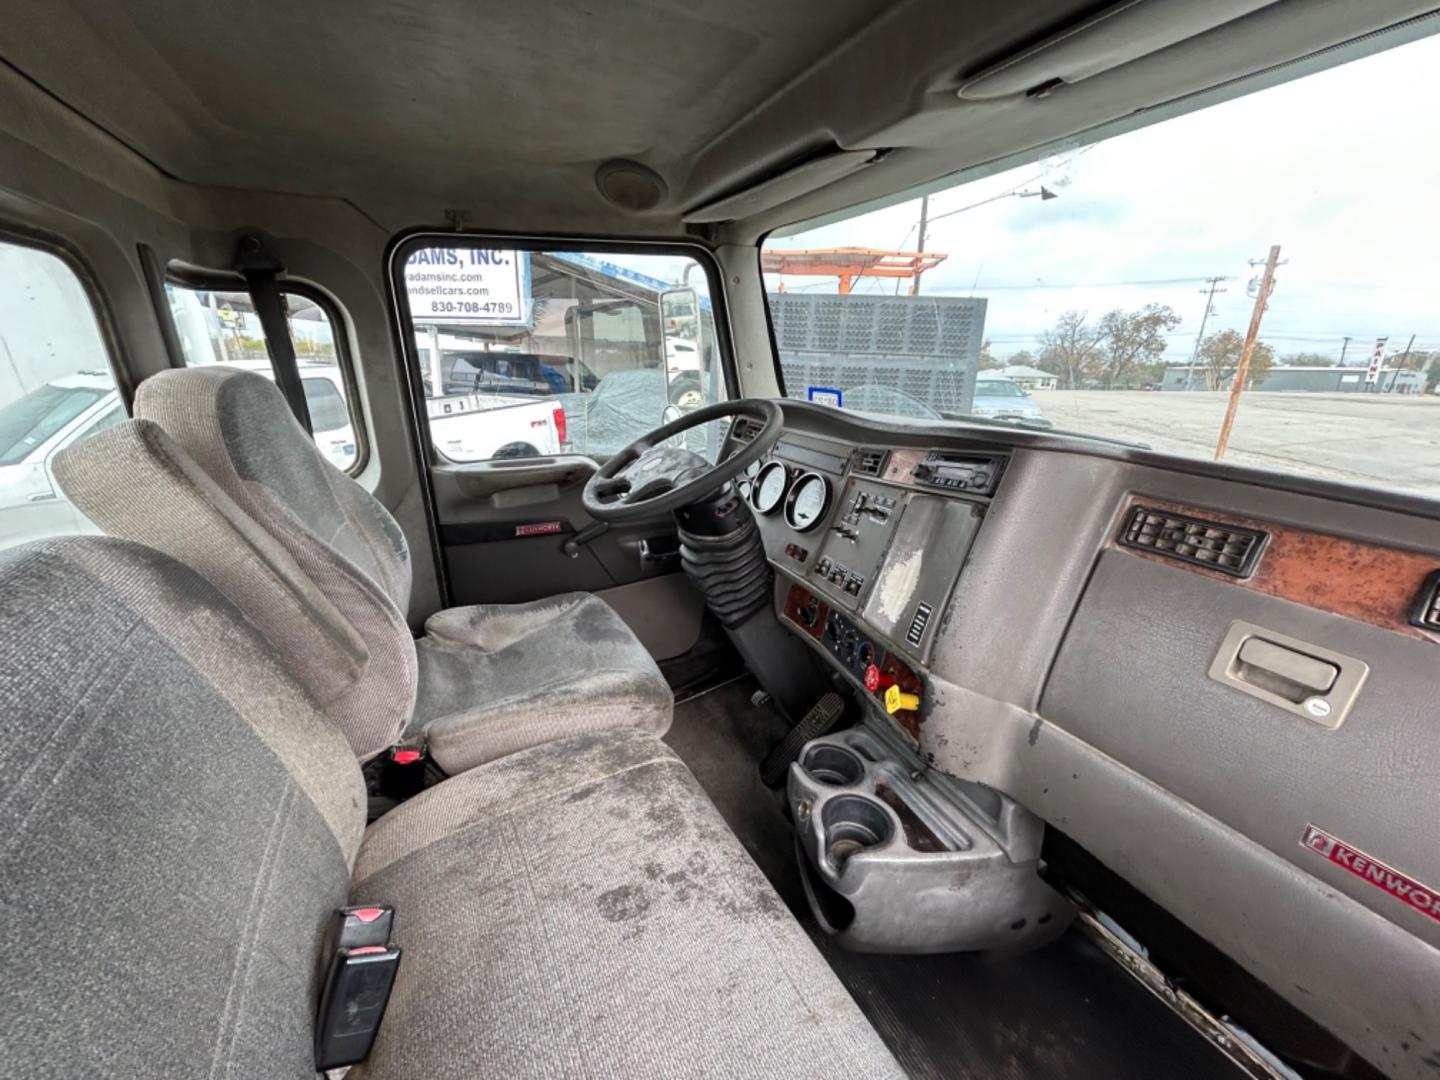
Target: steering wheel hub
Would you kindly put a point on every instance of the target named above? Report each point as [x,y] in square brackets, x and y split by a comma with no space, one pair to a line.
[651,476]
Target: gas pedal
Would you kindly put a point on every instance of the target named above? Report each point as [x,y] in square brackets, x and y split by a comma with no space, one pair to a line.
[818,721]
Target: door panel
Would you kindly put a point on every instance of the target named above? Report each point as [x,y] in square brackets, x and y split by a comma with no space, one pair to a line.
[504,526]
[664,612]
[574,353]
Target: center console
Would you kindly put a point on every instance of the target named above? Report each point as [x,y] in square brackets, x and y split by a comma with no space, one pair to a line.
[896,858]
[868,544]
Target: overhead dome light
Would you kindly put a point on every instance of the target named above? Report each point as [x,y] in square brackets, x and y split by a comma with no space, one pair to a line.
[630,185]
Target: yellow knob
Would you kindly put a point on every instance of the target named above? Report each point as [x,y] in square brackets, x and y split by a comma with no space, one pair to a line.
[896,700]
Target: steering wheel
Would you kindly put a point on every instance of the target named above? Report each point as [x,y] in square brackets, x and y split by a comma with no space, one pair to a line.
[649,477]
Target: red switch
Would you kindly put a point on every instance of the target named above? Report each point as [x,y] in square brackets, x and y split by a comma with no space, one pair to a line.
[877,680]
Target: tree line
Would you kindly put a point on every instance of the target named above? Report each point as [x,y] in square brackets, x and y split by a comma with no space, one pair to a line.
[1123,349]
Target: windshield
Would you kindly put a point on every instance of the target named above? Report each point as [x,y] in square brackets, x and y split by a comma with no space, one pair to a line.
[28,421]
[1110,289]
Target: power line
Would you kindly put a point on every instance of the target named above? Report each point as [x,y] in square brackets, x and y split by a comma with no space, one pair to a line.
[1199,280]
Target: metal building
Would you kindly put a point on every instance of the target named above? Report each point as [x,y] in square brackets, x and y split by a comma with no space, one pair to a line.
[1332,380]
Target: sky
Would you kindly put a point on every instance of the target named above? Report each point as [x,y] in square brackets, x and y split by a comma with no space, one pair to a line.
[1341,168]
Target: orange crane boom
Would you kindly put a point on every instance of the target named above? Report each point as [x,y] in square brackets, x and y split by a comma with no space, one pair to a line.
[848,264]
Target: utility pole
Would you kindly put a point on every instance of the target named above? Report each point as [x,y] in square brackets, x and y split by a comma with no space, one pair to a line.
[1262,297]
[1400,365]
[920,244]
[1214,283]
[1344,344]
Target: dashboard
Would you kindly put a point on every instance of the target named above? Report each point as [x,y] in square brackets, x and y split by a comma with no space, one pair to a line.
[869,542]
[1094,629]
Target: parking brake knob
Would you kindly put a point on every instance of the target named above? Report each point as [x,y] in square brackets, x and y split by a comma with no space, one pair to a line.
[877,680]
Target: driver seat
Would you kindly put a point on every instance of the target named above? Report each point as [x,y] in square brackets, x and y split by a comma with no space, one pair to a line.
[245,479]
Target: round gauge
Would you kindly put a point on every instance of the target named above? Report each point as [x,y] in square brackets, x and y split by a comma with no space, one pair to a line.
[768,489]
[809,499]
[746,480]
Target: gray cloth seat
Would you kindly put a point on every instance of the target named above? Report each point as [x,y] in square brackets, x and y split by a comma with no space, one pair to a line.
[181,820]
[245,498]
[489,683]
[613,926]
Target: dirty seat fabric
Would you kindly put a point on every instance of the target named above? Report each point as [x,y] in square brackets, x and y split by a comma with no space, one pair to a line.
[180,822]
[499,678]
[606,923]
[136,484]
[484,699]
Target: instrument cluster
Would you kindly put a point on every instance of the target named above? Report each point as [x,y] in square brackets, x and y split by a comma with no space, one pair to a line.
[801,496]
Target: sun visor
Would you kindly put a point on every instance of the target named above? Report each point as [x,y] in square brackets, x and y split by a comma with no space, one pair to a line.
[790,184]
[1104,41]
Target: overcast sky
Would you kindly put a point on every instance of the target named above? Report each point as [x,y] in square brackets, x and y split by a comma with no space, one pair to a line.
[1342,169]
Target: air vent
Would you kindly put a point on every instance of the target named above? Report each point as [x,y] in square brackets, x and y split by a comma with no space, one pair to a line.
[745,429]
[870,462]
[1426,612]
[1226,548]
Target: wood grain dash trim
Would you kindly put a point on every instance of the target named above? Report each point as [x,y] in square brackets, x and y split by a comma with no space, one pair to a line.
[1368,582]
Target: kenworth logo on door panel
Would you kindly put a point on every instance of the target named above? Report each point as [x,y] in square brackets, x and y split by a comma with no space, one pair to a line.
[1406,889]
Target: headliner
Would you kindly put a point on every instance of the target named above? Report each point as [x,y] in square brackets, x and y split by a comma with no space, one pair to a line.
[408,108]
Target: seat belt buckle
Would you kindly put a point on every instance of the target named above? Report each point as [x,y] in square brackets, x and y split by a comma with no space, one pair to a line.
[358,966]
[352,1004]
[358,927]
[405,765]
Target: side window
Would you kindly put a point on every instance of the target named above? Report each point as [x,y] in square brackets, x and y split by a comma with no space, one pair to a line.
[220,327]
[55,388]
[531,353]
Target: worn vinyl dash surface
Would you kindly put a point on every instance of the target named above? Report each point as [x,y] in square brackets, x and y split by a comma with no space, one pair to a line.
[1065,1011]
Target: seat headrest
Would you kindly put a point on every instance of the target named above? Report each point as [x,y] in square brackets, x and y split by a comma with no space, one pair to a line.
[238,427]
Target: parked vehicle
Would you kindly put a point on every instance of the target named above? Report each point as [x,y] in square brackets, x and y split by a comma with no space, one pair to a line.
[474,427]
[494,373]
[34,428]
[999,398]
[625,403]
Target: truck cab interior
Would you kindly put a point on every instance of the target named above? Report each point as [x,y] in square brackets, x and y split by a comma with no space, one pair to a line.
[641,539]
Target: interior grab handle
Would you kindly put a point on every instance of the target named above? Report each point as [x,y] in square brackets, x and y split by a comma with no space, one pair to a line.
[1302,678]
[1260,654]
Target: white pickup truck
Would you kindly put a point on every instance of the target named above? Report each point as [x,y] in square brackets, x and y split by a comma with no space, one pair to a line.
[477,427]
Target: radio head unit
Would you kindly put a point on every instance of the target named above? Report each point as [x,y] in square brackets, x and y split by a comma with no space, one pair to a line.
[959,471]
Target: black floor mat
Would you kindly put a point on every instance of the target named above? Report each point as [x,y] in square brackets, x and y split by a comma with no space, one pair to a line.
[1065,1011]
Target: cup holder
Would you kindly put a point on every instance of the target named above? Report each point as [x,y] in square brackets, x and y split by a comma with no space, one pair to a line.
[833,765]
[853,823]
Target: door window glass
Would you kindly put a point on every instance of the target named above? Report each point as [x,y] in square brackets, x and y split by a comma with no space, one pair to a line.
[221,327]
[55,388]
[531,353]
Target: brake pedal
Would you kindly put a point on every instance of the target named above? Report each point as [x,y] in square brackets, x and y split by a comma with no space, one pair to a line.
[818,721]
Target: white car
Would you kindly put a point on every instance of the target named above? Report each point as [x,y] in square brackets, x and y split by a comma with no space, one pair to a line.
[34,428]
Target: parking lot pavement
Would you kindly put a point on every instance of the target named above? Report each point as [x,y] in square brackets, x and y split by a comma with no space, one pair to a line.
[1382,440]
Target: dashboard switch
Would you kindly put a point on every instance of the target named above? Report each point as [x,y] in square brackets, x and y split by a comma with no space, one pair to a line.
[896,700]
[877,680]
